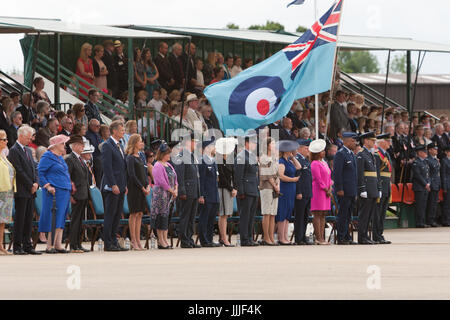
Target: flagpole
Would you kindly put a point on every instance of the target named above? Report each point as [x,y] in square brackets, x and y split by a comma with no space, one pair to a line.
[316,110]
[333,74]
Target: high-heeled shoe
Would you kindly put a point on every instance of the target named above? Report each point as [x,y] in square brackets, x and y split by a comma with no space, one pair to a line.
[225,245]
[161,247]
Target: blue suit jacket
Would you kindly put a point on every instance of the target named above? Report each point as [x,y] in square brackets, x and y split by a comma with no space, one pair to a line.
[304,184]
[114,166]
[209,188]
[345,174]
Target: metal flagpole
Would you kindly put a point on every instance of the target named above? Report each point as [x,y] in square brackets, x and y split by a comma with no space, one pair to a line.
[385,90]
[316,110]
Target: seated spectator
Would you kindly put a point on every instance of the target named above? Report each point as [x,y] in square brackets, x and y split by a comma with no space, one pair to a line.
[361,125]
[151,71]
[100,70]
[351,114]
[227,68]
[28,109]
[419,138]
[43,135]
[60,115]
[141,99]
[5,114]
[79,129]
[175,95]
[39,93]
[15,96]
[236,69]
[85,70]
[67,126]
[123,99]
[248,62]
[305,133]
[104,132]
[79,113]
[130,129]
[200,80]
[42,113]
[219,74]
[16,122]
[193,116]
[155,103]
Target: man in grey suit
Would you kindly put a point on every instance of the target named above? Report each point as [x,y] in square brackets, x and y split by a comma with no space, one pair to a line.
[79,174]
[338,116]
[247,181]
[186,167]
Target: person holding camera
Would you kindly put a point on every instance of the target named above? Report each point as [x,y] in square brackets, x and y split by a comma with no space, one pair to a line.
[269,189]
[287,169]
[321,189]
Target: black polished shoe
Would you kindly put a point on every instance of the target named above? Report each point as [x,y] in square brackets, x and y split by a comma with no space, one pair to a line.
[161,247]
[385,242]
[186,246]
[207,245]
[33,252]
[196,246]
[350,242]
[115,249]
[434,225]
[83,249]
[61,251]
[246,244]
[216,244]
[365,241]
[285,244]
[343,243]
[51,251]
[20,252]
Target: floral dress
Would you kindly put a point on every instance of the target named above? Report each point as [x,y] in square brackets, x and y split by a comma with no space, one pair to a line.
[161,198]
[7,197]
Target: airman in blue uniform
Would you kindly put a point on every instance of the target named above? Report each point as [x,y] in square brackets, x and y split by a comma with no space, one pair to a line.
[435,184]
[445,181]
[345,185]
[421,185]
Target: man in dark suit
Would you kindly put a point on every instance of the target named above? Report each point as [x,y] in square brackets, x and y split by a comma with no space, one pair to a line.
[108,60]
[247,182]
[440,140]
[114,184]
[176,62]
[445,182]
[91,107]
[16,122]
[209,191]
[27,109]
[67,126]
[345,176]
[384,166]
[26,180]
[286,131]
[369,189]
[121,66]
[191,75]
[338,116]
[435,185]
[95,140]
[400,151]
[162,62]
[79,175]
[421,185]
[303,194]
[186,167]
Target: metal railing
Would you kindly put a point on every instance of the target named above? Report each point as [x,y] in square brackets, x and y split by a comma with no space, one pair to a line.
[14,87]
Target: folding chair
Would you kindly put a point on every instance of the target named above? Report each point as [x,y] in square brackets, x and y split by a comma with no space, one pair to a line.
[96,205]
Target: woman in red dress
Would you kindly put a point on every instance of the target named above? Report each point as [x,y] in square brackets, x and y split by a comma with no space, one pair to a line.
[85,70]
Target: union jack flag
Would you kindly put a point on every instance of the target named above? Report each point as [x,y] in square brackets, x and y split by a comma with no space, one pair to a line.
[322,32]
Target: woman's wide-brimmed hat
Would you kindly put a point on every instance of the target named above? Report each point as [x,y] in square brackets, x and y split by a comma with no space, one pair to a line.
[226,145]
[287,145]
[54,141]
[317,146]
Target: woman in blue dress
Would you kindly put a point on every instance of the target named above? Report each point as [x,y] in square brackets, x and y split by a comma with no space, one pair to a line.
[287,168]
[152,73]
[55,181]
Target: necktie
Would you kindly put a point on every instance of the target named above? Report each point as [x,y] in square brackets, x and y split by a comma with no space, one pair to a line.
[120,149]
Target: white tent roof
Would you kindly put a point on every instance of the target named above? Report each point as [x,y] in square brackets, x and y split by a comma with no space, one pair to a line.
[30,25]
[349,42]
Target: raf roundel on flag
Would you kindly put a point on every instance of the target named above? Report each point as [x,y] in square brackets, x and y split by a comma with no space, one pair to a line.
[264,93]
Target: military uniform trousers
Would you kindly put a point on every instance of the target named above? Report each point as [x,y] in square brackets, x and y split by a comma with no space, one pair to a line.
[301,209]
[206,219]
[367,212]
[378,220]
[76,220]
[188,209]
[446,208]
[421,198]
[344,217]
[432,203]
[247,210]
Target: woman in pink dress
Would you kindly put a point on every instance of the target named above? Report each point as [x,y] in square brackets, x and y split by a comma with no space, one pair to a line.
[85,69]
[321,189]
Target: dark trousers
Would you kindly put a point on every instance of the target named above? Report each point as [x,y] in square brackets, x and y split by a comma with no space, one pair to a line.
[420,203]
[113,213]
[378,221]
[367,210]
[23,220]
[98,171]
[206,219]
[247,210]
[432,202]
[188,209]
[344,217]
[302,210]
[446,208]
[76,220]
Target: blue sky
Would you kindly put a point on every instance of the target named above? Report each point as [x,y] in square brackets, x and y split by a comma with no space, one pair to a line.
[416,19]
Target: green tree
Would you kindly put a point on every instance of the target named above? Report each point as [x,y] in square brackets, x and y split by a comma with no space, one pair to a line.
[231,25]
[398,65]
[358,62]
[301,29]
[270,25]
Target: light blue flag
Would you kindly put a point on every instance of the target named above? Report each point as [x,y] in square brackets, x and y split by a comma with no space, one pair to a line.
[264,93]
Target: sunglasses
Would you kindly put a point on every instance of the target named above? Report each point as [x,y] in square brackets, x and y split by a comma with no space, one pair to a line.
[3,139]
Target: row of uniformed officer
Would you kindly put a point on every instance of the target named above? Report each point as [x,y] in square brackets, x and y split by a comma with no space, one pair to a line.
[421,185]
[445,179]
